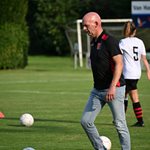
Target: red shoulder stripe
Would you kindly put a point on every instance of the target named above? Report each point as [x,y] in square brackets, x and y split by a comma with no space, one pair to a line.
[104,37]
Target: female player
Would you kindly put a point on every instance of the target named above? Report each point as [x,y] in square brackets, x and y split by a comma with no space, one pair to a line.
[133,52]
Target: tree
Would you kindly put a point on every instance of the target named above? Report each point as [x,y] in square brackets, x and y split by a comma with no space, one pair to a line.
[47,20]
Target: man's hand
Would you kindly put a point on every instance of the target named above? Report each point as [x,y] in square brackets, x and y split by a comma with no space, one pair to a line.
[111,93]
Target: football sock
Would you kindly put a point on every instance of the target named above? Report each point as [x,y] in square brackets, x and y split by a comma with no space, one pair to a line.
[138,111]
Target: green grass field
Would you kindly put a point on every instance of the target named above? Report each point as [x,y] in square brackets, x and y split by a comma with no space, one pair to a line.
[55,94]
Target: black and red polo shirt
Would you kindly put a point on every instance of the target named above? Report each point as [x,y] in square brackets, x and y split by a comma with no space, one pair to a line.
[102,50]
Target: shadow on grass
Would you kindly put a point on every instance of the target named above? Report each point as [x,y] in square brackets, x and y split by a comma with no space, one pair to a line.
[45,120]
[49,126]
[59,121]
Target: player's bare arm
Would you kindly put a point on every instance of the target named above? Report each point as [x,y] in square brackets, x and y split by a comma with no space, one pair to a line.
[146,64]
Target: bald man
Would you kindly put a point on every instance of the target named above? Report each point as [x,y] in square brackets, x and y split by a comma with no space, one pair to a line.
[109,85]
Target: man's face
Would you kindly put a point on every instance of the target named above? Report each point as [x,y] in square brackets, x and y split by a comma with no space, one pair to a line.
[89,27]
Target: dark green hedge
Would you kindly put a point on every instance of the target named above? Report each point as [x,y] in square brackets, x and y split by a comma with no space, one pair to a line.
[13,46]
[13,34]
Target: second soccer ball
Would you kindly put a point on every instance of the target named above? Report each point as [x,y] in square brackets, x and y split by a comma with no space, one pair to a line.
[106,142]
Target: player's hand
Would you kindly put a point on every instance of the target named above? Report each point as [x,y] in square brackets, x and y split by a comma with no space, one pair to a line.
[111,93]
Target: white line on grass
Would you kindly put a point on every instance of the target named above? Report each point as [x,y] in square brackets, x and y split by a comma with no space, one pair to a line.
[43,81]
[45,92]
[53,92]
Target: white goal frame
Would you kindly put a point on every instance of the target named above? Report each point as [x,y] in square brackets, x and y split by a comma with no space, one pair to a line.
[79,35]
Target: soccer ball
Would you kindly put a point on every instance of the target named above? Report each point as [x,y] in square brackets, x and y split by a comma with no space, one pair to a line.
[27,119]
[106,142]
[28,148]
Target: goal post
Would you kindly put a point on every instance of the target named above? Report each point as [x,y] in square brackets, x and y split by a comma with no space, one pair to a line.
[79,21]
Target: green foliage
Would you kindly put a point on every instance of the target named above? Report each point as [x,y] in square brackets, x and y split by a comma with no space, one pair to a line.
[13,11]
[108,9]
[13,34]
[13,46]
[47,20]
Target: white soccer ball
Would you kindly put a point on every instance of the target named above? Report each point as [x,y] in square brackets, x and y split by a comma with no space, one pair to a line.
[106,142]
[28,148]
[27,119]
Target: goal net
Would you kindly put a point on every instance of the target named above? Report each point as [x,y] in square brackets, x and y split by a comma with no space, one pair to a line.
[79,41]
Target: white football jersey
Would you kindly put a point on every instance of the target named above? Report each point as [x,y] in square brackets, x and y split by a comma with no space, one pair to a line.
[132,48]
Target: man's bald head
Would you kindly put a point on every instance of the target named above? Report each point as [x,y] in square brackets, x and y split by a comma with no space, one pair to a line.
[92,24]
[93,16]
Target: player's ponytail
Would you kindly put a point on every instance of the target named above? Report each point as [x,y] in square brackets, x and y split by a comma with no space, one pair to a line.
[129,29]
